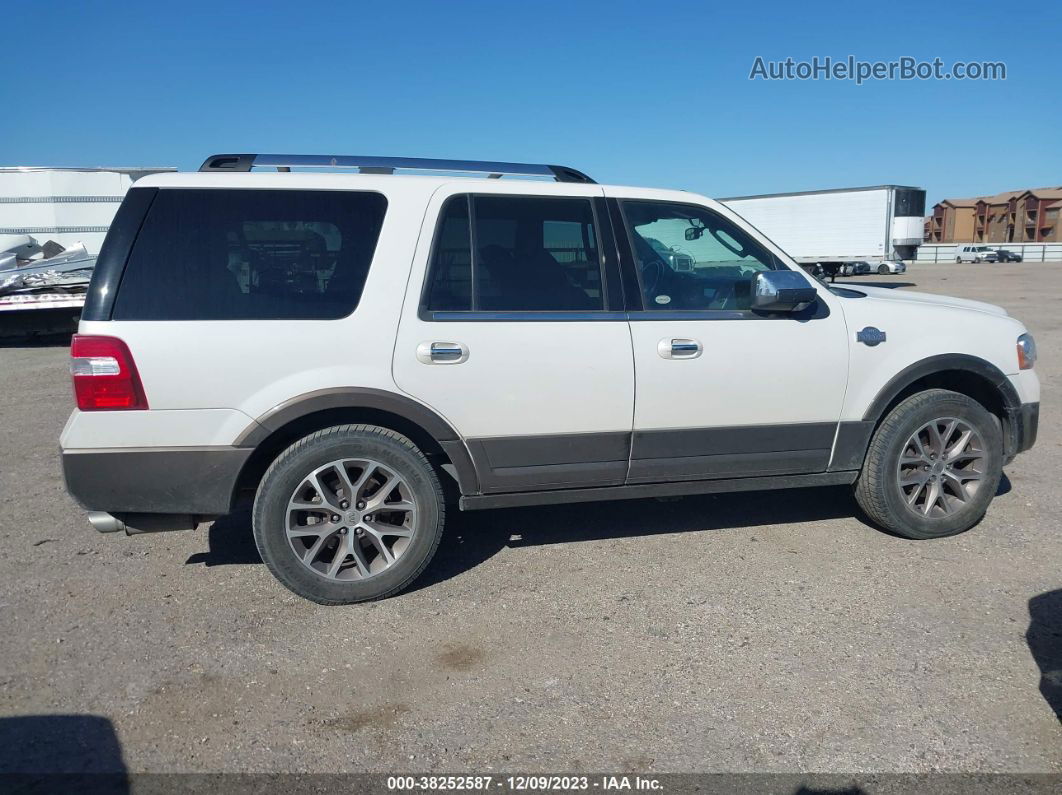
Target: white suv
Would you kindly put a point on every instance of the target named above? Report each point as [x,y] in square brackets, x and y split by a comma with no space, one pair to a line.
[341,346]
[975,254]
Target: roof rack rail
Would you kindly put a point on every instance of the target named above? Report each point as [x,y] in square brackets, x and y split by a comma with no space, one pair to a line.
[388,165]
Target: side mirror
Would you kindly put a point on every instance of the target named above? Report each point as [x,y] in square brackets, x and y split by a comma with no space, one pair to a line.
[782,291]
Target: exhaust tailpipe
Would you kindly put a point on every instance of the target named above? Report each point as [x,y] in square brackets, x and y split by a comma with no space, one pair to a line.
[136,523]
[105,523]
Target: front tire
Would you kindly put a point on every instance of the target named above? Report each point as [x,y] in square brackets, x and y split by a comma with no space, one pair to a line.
[883,270]
[349,514]
[933,466]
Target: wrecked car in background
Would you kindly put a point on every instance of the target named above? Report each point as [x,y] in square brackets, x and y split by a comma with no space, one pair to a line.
[42,286]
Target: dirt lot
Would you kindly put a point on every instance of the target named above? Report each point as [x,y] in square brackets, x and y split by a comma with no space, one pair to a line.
[752,632]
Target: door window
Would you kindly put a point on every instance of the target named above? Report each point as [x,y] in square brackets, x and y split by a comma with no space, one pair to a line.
[690,258]
[515,254]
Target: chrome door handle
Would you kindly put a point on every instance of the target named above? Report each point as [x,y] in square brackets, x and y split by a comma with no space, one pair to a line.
[442,352]
[679,348]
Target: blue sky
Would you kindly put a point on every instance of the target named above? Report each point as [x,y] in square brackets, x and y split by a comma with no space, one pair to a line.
[630,92]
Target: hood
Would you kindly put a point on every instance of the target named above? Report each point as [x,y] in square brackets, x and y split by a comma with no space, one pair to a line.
[886,294]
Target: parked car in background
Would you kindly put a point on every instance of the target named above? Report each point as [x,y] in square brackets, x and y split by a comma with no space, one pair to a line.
[974,254]
[358,354]
[883,268]
[831,270]
[1003,255]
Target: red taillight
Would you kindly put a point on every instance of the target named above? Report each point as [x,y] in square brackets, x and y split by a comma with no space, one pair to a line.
[104,374]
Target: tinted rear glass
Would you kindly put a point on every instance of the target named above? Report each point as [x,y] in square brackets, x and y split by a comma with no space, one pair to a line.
[450,288]
[251,255]
[531,254]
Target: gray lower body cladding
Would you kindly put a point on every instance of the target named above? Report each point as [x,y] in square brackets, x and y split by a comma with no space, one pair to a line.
[585,460]
[196,481]
[646,490]
[1024,424]
[201,481]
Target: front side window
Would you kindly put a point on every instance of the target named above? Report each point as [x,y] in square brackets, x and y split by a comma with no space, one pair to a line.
[220,254]
[690,258]
[515,254]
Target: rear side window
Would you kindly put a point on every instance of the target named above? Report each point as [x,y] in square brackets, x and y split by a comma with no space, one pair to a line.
[516,254]
[450,288]
[250,255]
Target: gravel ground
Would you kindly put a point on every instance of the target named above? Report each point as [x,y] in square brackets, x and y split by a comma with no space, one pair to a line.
[749,632]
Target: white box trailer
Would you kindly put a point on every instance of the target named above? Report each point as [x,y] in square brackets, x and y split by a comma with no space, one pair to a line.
[833,228]
[42,212]
[66,205]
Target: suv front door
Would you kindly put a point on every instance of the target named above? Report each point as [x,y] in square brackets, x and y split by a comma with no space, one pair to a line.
[722,391]
[517,336]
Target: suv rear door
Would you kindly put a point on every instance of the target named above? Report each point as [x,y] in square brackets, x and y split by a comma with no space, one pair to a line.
[513,330]
[722,391]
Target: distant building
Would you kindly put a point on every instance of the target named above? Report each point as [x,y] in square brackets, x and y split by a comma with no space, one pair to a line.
[1023,216]
[952,220]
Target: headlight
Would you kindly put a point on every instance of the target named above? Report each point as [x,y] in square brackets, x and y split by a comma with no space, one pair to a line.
[1026,352]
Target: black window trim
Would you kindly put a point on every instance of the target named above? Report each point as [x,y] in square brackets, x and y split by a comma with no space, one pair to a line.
[636,309]
[128,252]
[611,297]
[436,241]
[114,254]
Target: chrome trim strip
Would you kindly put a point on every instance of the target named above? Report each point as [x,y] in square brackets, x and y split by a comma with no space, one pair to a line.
[694,314]
[60,199]
[50,230]
[636,316]
[480,316]
[199,448]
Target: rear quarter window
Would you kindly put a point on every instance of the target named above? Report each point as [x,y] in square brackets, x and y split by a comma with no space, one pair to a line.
[220,254]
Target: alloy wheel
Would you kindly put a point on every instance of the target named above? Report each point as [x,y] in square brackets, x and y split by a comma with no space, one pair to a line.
[351,519]
[941,467]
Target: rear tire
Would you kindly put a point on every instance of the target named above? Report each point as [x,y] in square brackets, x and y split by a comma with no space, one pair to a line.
[349,514]
[924,476]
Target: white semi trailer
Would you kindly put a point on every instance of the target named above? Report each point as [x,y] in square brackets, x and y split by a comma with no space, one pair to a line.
[832,229]
[52,222]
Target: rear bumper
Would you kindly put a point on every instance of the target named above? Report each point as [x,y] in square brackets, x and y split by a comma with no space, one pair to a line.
[1024,422]
[187,481]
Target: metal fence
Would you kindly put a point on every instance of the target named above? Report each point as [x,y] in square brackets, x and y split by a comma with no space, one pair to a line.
[1030,252]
